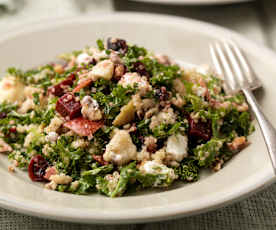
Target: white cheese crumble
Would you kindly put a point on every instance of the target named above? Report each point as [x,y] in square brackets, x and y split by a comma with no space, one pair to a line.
[61,179]
[90,109]
[83,58]
[165,117]
[177,147]
[120,150]
[11,90]
[130,79]
[103,69]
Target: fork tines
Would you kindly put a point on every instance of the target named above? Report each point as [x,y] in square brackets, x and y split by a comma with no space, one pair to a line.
[230,63]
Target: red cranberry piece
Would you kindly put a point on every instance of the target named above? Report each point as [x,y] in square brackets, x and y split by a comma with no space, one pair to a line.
[59,89]
[119,71]
[67,106]
[200,130]
[140,68]
[99,159]
[37,168]
[12,130]
[93,62]
[162,93]
[117,44]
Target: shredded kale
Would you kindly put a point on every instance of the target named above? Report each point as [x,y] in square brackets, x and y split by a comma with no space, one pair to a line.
[188,170]
[111,97]
[206,153]
[133,54]
[100,44]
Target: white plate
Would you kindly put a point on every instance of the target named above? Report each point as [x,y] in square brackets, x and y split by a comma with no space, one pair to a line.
[182,39]
[192,2]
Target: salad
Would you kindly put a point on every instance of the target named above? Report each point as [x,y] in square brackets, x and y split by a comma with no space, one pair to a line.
[116,119]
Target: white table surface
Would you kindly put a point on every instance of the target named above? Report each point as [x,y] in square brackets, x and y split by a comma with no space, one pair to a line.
[255,20]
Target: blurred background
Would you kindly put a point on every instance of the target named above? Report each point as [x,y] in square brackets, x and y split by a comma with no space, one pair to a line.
[255,19]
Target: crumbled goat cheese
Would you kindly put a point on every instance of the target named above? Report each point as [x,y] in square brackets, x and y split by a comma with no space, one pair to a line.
[90,109]
[41,75]
[79,143]
[163,117]
[11,90]
[30,90]
[199,90]
[52,137]
[103,69]
[98,55]
[120,150]
[61,179]
[27,105]
[152,167]
[83,58]
[46,149]
[177,146]
[131,79]
[143,155]
[54,125]
[159,156]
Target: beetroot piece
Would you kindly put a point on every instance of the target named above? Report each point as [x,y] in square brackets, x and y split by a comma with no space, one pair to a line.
[117,44]
[200,130]
[140,68]
[59,89]
[37,168]
[67,106]
[83,127]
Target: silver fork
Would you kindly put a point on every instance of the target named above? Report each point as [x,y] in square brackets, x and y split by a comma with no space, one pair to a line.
[230,62]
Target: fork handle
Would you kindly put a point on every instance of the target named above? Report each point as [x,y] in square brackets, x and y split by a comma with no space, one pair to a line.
[268,131]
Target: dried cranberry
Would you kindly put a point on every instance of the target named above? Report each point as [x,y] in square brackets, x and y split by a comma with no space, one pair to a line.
[59,89]
[119,71]
[117,44]
[162,93]
[99,159]
[13,130]
[140,68]
[199,129]
[3,115]
[37,168]
[68,106]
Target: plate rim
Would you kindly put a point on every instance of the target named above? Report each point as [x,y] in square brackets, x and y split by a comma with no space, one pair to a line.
[155,213]
[192,2]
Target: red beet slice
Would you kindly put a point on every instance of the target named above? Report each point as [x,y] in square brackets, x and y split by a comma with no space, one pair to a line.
[37,168]
[59,89]
[83,127]
[67,106]
[200,129]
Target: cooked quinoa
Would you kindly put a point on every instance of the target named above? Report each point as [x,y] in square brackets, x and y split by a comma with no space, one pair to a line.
[116,119]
